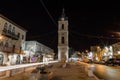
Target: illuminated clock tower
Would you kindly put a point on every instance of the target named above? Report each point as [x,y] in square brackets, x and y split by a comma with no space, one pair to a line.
[63,46]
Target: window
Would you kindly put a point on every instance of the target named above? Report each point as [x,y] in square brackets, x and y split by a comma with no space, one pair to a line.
[18,35]
[13,30]
[62,40]
[5,27]
[22,37]
[1,43]
[13,48]
[9,29]
[62,26]
[6,44]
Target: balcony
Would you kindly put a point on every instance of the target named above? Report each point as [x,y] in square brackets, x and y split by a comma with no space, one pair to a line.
[9,34]
[11,50]
[6,49]
[18,51]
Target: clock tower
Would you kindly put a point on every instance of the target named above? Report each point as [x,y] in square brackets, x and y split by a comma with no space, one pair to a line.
[63,43]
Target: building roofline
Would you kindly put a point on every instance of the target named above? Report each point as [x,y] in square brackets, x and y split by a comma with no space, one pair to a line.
[12,22]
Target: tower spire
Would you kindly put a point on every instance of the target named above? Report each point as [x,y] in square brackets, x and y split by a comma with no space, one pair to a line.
[63,13]
[63,16]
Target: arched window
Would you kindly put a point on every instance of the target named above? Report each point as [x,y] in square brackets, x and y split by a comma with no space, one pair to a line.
[22,37]
[18,59]
[6,44]
[9,29]
[18,35]
[1,44]
[13,30]
[5,27]
[62,40]
[13,49]
[62,26]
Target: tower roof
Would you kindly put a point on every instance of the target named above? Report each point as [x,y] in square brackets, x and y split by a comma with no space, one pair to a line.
[63,15]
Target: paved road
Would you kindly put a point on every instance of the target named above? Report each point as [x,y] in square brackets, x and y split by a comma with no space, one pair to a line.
[105,72]
[4,68]
[72,71]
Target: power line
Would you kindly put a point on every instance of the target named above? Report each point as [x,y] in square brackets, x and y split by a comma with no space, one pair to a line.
[92,36]
[48,12]
[43,35]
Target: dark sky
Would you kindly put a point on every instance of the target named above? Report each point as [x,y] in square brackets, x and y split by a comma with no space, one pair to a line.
[90,23]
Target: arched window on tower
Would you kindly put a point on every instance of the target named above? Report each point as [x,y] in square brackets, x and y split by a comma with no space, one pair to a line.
[63,40]
[62,26]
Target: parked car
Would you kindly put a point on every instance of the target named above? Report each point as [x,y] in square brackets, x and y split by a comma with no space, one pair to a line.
[117,61]
[102,62]
[113,61]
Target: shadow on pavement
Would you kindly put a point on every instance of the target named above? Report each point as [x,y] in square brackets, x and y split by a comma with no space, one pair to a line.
[56,78]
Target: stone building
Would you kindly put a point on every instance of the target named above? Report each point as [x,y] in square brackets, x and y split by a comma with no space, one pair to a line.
[96,52]
[11,38]
[37,52]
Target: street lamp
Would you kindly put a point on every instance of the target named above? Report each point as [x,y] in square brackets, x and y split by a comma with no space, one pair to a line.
[1,37]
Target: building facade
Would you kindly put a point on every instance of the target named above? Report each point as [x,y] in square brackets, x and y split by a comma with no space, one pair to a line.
[11,38]
[63,44]
[37,52]
[116,49]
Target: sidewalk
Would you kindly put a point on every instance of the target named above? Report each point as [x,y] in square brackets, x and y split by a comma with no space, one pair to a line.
[72,71]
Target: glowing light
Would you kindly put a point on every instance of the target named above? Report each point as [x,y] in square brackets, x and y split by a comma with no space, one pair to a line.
[1,37]
[5,68]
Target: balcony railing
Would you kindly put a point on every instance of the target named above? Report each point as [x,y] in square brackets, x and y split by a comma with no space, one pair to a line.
[10,34]
[6,49]
[10,50]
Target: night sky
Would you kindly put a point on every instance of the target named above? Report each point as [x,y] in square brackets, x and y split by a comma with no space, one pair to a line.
[90,23]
